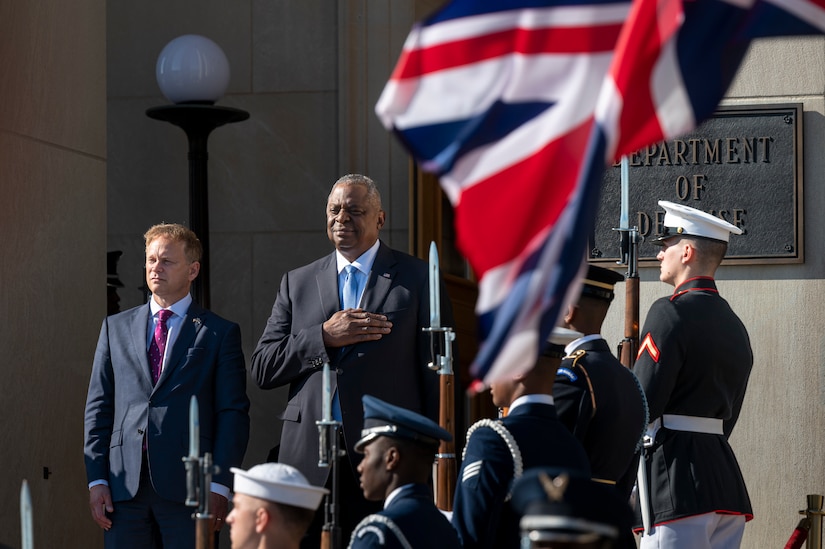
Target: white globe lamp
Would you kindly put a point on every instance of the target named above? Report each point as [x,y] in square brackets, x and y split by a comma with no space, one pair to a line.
[192,69]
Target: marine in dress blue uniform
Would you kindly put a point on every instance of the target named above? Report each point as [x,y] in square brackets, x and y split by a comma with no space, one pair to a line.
[596,397]
[399,449]
[694,362]
[560,508]
[498,451]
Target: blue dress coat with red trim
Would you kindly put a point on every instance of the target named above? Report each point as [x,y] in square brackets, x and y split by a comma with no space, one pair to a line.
[694,359]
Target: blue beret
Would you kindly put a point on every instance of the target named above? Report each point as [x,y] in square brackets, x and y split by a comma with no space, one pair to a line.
[382,419]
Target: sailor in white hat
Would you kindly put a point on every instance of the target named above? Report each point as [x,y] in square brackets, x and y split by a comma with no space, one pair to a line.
[694,362]
[273,505]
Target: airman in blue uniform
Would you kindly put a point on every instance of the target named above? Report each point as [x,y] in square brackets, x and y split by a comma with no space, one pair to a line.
[498,451]
[560,508]
[399,449]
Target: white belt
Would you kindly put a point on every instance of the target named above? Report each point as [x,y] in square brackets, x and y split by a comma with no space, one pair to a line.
[693,424]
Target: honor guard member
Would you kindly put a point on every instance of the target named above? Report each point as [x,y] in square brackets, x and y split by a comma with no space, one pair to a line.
[498,451]
[273,506]
[399,448]
[597,398]
[694,362]
[560,509]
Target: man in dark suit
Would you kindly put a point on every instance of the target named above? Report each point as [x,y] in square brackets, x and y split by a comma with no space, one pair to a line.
[399,449]
[497,452]
[149,362]
[366,325]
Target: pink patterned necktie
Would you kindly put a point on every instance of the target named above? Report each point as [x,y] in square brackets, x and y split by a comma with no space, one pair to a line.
[158,345]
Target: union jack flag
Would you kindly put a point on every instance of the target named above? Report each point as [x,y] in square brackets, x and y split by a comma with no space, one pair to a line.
[519,105]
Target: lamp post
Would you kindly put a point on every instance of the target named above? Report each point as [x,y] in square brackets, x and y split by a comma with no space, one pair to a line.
[193,72]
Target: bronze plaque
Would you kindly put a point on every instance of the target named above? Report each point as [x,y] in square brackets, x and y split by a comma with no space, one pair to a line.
[743,165]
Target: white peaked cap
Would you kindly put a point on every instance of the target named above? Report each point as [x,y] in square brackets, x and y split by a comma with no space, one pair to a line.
[687,221]
[280,483]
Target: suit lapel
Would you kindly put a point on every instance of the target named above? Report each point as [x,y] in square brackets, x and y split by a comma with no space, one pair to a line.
[380,279]
[190,326]
[326,281]
[138,328]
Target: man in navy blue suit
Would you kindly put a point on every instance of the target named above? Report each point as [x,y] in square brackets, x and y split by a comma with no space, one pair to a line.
[399,449]
[137,427]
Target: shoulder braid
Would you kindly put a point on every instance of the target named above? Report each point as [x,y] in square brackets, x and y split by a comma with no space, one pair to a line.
[509,440]
[576,357]
[385,521]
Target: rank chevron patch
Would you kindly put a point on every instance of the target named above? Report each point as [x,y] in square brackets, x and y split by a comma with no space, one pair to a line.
[649,346]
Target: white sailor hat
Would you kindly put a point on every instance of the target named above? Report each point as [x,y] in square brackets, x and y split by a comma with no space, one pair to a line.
[683,220]
[558,340]
[280,483]
[382,419]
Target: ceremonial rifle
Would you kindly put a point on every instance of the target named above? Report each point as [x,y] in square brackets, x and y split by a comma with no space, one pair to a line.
[630,344]
[630,256]
[26,528]
[329,452]
[441,339]
[199,471]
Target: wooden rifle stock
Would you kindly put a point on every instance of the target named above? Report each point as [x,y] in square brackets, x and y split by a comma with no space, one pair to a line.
[447,468]
[441,345]
[204,527]
[329,454]
[630,344]
[204,533]
[630,238]
[330,538]
[331,532]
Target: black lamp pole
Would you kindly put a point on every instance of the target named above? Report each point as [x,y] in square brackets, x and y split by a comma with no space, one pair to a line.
[198,121]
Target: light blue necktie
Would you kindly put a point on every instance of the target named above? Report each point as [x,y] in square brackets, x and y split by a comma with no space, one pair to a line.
[349,301]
